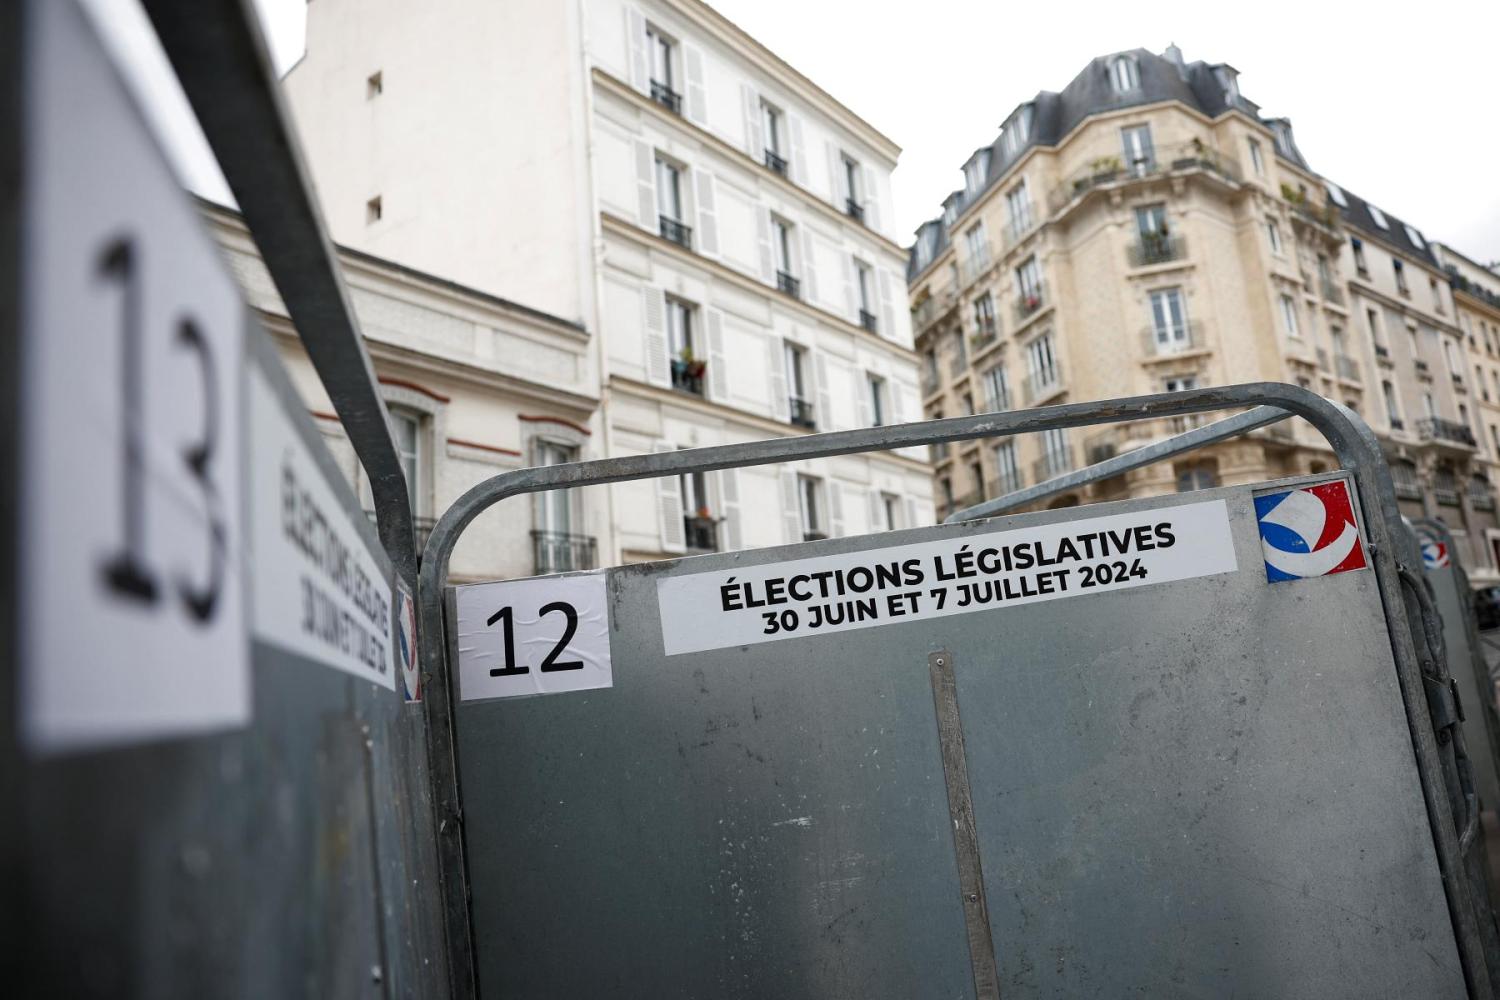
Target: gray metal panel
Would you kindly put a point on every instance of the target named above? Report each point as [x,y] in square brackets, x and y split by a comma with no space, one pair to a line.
[1463,661]
[1190,789]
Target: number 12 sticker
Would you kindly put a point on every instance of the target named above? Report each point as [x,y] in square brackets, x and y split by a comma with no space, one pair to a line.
[539,636]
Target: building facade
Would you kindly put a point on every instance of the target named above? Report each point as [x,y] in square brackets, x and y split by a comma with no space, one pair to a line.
[716,223]
[1147,230]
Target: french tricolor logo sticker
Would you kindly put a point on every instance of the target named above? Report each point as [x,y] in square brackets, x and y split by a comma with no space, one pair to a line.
[1309,531]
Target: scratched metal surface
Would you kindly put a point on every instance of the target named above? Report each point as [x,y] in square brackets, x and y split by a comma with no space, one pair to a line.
[1170,802]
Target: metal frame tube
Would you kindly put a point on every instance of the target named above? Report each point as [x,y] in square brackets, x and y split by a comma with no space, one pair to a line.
[217,51]
[1352,441]
[1240,423]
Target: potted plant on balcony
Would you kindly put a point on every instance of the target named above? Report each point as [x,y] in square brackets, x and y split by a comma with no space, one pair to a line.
[688,365]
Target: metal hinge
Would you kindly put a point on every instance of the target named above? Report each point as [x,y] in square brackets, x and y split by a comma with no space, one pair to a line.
[1444,704]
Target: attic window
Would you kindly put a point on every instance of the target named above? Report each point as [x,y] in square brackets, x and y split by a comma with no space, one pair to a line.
[1226,78]
[374,85]
[372,210]
[1336,193]
[1378,216]
[1416,238]
[975,170]
[1124,74]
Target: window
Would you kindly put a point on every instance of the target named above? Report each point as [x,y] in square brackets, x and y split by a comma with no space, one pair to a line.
[1273,233]
[659,49]
[864,286]
[1429,405]
[1450,355]
[975,170]
[781,243]
[1378,216]
[1198,476]
[373,210]
[853,205]
[968,402]
[976,473]
[1415,343]
[1289,316]
[978,247]
[1041,364]
[1415,237]
[875,387]
[770,126]
[700,531]
[1057,454]
[996,389]
[1358,246]
[669,203]
[1139,154]
[406,431]
[1437,295]
[1392,412]
[1009,472]
[1151,220]
[796,385]
[1016,131]
[1018,202]
[1179,383]
[1257,159]
[374,84]
[984,317]
[891,505]
[1169,323]
[1399,270]
[945,487]
[684,357]
[1372,320]
[1336,193]
[1029,283]
[1124,74]
[555,507]
[809,508]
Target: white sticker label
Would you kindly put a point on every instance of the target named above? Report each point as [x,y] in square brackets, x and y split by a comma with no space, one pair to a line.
[317,590]
[950,576]
[131,603]
[538,636]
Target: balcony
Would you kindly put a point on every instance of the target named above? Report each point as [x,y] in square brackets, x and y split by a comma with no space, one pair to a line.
[788,284]
[421,527]
[775,163]
[1423,370]
[1445,488]
[854,210]
[701,533]
[1441,431]
[1397,424]
[1324,216]
[1481,497]
[1040,385]
[986,334]
[1107,171]
[1156,248]
[1166,341]
[867,320]
[801,413]
[1053,463]
[1019,228]
[1404,479]
[1331,292]
[1458,382]
[558,552]
[1461,284]
[675,231]
[1382,354]
[666,97]
[1346,367]
[1030,302]
[687,374]
[975,265]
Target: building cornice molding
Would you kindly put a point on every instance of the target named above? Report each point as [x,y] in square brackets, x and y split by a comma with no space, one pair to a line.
[622,227]
[619,88]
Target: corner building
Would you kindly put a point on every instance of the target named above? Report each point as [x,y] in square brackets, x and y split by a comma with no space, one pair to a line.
[715,222]
[1147,230]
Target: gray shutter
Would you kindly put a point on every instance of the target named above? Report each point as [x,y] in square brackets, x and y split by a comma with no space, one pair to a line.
[824,415]
[877,510]
[791,518]
[755,142]
[883,281]
[835,194]
[697,105]
[645,182]
[798,159]
[718,376]
[862,398]
[635,49]
[872,199]
[763,237]
[835,508]
[657,370]
[781,407]
[708,213]
[809,274]
[669,506]
[729,507]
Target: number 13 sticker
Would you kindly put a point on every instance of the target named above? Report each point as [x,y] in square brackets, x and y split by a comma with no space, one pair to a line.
[538,636]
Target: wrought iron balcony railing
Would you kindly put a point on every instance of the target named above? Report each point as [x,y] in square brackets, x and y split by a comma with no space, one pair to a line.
[1107,170]
[1438,429]
[1006,482]
[801,413]
[700,533]
[687,375]
[1030,302]
[1331,292]
[868,321]
[675,231]
[1172,339]
[789,284]
[1156,249]
[666,97]
[1053,463]
[560,552]
[1039,385]
[775,163]
[854,210]
[985,334]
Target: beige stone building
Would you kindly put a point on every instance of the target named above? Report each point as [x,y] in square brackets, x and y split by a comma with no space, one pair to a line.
[1147,230]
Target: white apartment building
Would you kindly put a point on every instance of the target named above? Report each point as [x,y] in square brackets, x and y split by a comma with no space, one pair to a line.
[716,222]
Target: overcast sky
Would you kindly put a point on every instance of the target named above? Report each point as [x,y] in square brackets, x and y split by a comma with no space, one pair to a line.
[1401,110]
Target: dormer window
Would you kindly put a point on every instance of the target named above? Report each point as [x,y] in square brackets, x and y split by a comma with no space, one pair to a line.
[1378,216]
[1016,132]
[1124,74]
[1283,138]
[1227,80]
[975,170]
[1416,238]
[1335,194]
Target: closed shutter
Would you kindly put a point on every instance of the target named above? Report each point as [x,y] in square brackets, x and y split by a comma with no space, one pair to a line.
[791,517]
[798,159]
[669,507]
[755,140]
[835,183]
[824,415]
[781,407]
[718,375]
[657,371]
[862,403]
[697,107]
[877,511]
[645,184]
[872,200]
[635,45]
[708,213]
[809,275]
[763,238]
[887,304]
[729,507]
[836,508]
[851,290]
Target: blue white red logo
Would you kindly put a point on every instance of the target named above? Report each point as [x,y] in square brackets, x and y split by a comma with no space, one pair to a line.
[1434,554]
[406,644]
[1309,532]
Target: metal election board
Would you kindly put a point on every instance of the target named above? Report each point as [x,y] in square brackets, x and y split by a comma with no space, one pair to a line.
[1153,747]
